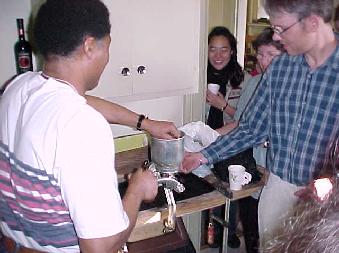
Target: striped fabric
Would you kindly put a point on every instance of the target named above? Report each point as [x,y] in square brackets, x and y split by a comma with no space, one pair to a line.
[296,108]
[30,201]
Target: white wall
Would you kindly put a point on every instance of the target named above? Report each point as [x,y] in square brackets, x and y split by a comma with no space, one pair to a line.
[170,108]
[241,29]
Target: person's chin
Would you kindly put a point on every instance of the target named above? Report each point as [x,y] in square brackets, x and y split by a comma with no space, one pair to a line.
[219,67]
[290,51]
[93,86]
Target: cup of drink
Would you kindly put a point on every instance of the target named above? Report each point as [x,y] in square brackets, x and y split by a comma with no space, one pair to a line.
[213,87]
[238,177]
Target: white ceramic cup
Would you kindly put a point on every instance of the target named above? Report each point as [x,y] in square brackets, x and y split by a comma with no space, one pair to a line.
[213,87]
[238,177]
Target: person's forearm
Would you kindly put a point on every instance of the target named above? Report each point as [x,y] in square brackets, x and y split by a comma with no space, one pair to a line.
[113,113]
[227,128]
[131,203]
[226,108]
[230,110]
[116,114]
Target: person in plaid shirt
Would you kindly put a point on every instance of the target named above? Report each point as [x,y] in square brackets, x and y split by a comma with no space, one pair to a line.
[295,108]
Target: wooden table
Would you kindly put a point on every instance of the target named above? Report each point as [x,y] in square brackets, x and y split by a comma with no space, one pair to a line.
[230,195]
[150,222]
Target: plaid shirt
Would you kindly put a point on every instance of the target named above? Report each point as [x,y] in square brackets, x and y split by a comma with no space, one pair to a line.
[296,109]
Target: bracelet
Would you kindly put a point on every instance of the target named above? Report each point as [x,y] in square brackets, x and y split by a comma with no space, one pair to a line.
[141,118]
[224,107]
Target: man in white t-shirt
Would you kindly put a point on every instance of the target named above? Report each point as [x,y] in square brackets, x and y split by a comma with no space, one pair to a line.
[58,184]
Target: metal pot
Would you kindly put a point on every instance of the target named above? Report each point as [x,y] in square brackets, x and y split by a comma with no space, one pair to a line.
[167,154]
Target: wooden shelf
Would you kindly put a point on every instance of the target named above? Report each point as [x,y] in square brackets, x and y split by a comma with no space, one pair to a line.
[258,25]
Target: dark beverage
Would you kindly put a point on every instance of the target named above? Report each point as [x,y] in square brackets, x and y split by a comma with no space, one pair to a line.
[23,50]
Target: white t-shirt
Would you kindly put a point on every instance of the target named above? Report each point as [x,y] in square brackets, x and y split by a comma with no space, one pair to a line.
[49,126]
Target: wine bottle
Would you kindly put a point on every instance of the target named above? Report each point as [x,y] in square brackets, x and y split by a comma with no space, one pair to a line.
[23,50]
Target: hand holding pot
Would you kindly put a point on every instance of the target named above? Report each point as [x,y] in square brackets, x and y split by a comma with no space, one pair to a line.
[161,129]
[192,161]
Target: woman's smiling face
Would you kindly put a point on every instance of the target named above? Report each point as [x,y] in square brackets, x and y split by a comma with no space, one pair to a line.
[219,52]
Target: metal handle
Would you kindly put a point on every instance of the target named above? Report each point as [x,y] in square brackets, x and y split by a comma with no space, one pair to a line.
[141,70]
[169,223]
[172,184]
[125,72]
[169,182]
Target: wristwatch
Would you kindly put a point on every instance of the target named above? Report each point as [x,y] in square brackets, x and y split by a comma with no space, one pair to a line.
[141,118]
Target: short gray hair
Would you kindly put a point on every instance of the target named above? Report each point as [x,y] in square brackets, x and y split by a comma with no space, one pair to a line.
[303,8]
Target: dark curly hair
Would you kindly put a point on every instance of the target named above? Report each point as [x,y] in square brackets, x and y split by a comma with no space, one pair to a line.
[234,71]
[61,25]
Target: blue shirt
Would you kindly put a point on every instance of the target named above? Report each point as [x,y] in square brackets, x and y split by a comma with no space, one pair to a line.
[296,109]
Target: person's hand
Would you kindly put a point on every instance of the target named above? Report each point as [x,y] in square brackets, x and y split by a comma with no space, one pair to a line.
[304,194]
[161,129]
[217,101]
[192,161]
[143,184]
[318,190]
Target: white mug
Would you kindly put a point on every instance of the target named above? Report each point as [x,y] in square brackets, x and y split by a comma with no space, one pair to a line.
[238,177]
[213,87]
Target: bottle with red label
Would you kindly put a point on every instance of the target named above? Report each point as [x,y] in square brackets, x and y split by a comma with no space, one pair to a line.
[23,50]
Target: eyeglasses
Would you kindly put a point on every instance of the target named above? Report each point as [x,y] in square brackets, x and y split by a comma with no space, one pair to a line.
[278,30]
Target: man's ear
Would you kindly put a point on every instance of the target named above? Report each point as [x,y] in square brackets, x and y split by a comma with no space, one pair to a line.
[312,22]
[89,46]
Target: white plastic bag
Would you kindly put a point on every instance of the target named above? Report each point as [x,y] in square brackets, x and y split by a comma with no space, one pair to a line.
[198,135]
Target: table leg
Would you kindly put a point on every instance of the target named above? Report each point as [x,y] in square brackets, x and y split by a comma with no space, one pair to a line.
[225,230]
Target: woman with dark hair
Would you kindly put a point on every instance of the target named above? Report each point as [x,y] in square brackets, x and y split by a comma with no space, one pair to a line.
[224,70]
